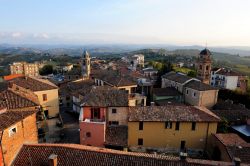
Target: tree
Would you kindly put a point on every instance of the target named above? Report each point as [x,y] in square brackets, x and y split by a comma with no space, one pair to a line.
[192,73]
[46,69]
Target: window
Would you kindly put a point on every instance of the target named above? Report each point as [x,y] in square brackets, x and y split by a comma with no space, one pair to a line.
[113,111]
[200,66]
[193,125]
[187,92]
[177,126]
[44,97]
[88,134]
[113,123]
[140,141]
[207,67]
[67,97]
[168,125]
[194,94]
[12,131]
[95,113]
[140,125]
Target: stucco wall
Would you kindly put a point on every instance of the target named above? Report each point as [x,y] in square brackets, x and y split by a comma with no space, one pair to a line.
[121,115]
[97,131]
[52,102]
[231,82]
[154,134]
[26,133]
[202,98]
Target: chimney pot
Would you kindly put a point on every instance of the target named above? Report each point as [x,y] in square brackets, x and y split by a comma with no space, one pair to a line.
[53,160]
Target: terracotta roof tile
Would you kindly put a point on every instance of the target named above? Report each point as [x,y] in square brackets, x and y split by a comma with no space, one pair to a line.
[33,84]
[9,118]
[78,155]
[115,78]
[197,85]
[105,98]
[231,140]
[228,72]
[177,77]
[11,100]
[116,135]
[171,113]
[12,76]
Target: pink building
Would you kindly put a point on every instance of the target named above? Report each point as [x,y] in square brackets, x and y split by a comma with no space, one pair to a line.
[92,126]
[93,115]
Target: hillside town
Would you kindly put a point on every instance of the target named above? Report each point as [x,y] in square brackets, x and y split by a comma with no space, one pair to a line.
[123,112]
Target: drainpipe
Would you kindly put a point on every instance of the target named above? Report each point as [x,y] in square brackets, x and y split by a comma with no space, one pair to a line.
[206,137]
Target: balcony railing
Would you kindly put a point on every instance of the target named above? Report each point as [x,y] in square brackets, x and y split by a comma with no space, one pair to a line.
[94,120]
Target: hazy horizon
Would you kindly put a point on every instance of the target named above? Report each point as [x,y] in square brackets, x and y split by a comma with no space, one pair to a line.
[181,22]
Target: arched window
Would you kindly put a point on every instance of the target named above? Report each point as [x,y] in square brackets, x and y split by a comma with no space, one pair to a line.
[207,67]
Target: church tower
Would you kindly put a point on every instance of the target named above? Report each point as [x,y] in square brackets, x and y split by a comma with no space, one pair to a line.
[85,64]
[203,66]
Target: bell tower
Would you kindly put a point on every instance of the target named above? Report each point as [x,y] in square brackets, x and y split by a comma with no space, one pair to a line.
[203,66]
[85,64]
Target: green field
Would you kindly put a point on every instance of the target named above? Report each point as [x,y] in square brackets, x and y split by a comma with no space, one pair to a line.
[243,69]
[182,69]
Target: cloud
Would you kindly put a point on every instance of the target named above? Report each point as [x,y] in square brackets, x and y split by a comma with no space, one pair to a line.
[41,35]
[45,36]
[16,34]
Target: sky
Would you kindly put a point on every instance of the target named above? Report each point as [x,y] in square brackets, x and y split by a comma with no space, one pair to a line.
[174,22]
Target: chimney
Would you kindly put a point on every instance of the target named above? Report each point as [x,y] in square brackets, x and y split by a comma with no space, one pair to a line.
[53,160]
[237,161]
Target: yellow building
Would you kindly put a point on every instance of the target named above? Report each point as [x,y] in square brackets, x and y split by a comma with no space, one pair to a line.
[170,127]
[46,92]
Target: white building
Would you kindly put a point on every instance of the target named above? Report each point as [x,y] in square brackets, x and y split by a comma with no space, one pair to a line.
[224,78]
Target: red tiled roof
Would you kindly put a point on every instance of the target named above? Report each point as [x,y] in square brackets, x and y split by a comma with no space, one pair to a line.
[12,76]
[116,135]
[78,155]
[177,77]
[106,97]
[33,84]
[11,100]
[229,139]
[235,146]
[228,72]
[172,113]
[9,118]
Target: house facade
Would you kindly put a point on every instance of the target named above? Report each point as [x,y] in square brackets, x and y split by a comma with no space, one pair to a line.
[17,128]
[228,79]
[170,128]
[194,91]
[101,108]
[46,92]
[27,69]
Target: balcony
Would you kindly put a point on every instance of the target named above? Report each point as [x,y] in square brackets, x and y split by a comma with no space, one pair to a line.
[100,121]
